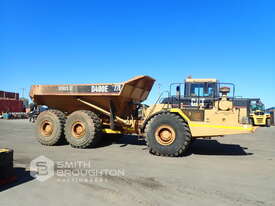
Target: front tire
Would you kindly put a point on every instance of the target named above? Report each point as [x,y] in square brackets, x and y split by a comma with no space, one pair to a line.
[83,129]
[167,134]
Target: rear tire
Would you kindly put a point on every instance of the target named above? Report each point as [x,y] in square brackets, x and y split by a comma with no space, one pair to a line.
[83,129]
[50,127]
[167,134]
[268,122]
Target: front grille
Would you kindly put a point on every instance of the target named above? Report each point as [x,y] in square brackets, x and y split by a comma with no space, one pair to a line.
[260,120]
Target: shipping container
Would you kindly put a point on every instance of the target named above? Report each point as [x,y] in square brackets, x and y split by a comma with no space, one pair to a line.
[7,105]
[9,95]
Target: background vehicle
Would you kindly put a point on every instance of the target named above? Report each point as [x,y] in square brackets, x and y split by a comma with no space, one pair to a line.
[258,116]
[35,111]
[82,113]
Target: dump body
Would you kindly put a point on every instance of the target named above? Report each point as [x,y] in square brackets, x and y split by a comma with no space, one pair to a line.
[123,96]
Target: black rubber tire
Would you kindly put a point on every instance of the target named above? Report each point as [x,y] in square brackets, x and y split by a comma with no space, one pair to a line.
[57,118]
[250,121]
[182,131]
[93,129]
[6,163]
[6,157]
[268,122]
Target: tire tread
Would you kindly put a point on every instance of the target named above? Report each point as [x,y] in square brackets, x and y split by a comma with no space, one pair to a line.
[60,135]
[90,142]
[184,147]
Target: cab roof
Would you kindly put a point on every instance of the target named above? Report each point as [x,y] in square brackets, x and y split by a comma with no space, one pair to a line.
[191,80]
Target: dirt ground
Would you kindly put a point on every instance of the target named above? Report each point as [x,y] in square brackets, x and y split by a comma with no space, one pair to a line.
[231,170]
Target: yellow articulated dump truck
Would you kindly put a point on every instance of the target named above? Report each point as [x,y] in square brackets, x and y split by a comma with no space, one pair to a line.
[81,114]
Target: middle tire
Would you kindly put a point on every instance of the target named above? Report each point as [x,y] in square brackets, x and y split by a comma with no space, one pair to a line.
[83,129]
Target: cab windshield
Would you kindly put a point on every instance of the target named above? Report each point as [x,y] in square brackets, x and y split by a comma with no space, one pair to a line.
[257,106]
[200,89]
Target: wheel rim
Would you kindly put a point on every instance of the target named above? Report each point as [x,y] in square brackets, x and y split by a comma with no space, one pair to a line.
[78,130]
[46,128]
[165,135]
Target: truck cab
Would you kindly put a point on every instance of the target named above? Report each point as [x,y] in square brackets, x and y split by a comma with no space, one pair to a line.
[198,93]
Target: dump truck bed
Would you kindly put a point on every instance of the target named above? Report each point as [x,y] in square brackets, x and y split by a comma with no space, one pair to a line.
[122,95]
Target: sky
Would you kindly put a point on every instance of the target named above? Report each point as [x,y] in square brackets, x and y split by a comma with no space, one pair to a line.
[63,42]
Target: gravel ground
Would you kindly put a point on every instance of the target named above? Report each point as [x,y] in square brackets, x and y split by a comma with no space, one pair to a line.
[231,170]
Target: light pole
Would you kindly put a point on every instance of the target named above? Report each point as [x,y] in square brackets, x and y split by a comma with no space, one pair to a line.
[23,91]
